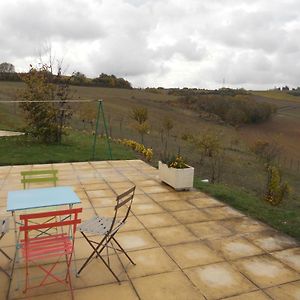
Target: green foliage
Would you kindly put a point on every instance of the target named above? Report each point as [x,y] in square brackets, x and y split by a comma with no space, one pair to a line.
[232,109]
[104,80]
[268,152]
[295,92]
[146,152]
[140,116]
[176,161]
[211,152]
[46,121]
[75,146]
[7,68]
[276,190]
[78,78]
[284,218]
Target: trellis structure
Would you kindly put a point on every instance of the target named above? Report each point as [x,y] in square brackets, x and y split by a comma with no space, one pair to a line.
[100,114]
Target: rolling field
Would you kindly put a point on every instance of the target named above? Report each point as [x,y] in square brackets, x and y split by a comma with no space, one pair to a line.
[239,164]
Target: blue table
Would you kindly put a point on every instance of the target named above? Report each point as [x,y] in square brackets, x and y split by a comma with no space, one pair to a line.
[42,197]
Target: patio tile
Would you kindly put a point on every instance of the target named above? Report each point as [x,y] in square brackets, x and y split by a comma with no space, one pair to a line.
[87,213]
[100,193]
[289,291]
[104,202]
[193,254]
[190,216]
[257,295]
[149,262]
[167,286]
[146,208]
[4,281]
[93,179]
[271,240]
[266,271]
[209,230]
[205,202]
[160,197]
[116,178]
[132,223]
[244,225]
[107,292]
[235,247]
[148,182]
[290,257]
[123,185]
[82,248]
[155,189]
[9,239]
[96,273]
[35,277]
[220,213]
[4,262]
[95,186]
[100,164]
[176,205]
[219,280]
[158,220]
[135,240]
[141,199]
[172,235]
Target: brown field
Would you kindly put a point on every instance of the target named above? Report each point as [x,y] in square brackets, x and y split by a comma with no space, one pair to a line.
[240,167]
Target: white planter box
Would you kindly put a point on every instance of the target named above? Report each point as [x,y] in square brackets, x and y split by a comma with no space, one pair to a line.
[179,179]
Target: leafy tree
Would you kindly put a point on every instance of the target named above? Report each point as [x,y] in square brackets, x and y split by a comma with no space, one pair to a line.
[211,152]
[275,189]
[140,116]
[112,81]
[46,119]
[166,128]
[7,68]
[78,78]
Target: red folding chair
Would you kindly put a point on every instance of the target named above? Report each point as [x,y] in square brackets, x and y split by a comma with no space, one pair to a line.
[58,246]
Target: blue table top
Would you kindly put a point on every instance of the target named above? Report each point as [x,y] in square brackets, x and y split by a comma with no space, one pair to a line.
[42,197]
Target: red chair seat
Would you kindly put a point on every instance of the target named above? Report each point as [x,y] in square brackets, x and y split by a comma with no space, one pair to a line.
[45,247]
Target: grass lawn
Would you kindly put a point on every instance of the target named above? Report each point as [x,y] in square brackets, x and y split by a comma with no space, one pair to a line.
[75,147]
[285,217]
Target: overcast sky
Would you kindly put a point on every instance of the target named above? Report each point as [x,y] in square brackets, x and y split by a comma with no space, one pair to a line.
[172,43]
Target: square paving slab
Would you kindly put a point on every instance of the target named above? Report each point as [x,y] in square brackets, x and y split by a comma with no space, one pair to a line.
[219,280]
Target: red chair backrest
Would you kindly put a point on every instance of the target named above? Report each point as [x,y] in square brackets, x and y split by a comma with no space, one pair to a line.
[73,220]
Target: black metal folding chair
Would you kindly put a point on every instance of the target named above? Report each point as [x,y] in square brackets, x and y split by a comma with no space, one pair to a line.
[107,229]
[4,227]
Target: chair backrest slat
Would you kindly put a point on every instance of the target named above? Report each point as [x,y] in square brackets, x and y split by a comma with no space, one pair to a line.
[123,202]
[50,225]
[126,193]
[39,176]
[51,213]
[70,219]
[126,197]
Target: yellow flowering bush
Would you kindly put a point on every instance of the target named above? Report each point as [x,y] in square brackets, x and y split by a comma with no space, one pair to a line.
[140,148]
[177,162]
[276,190]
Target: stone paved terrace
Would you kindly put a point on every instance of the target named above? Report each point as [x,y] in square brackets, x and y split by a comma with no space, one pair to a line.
[186,245]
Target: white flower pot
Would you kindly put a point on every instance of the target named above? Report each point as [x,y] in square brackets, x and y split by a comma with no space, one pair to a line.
[179,179]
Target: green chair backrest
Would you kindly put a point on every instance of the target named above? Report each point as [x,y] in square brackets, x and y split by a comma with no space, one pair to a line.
[39,176]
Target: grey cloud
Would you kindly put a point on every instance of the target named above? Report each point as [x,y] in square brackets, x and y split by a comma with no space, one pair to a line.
[251,43]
